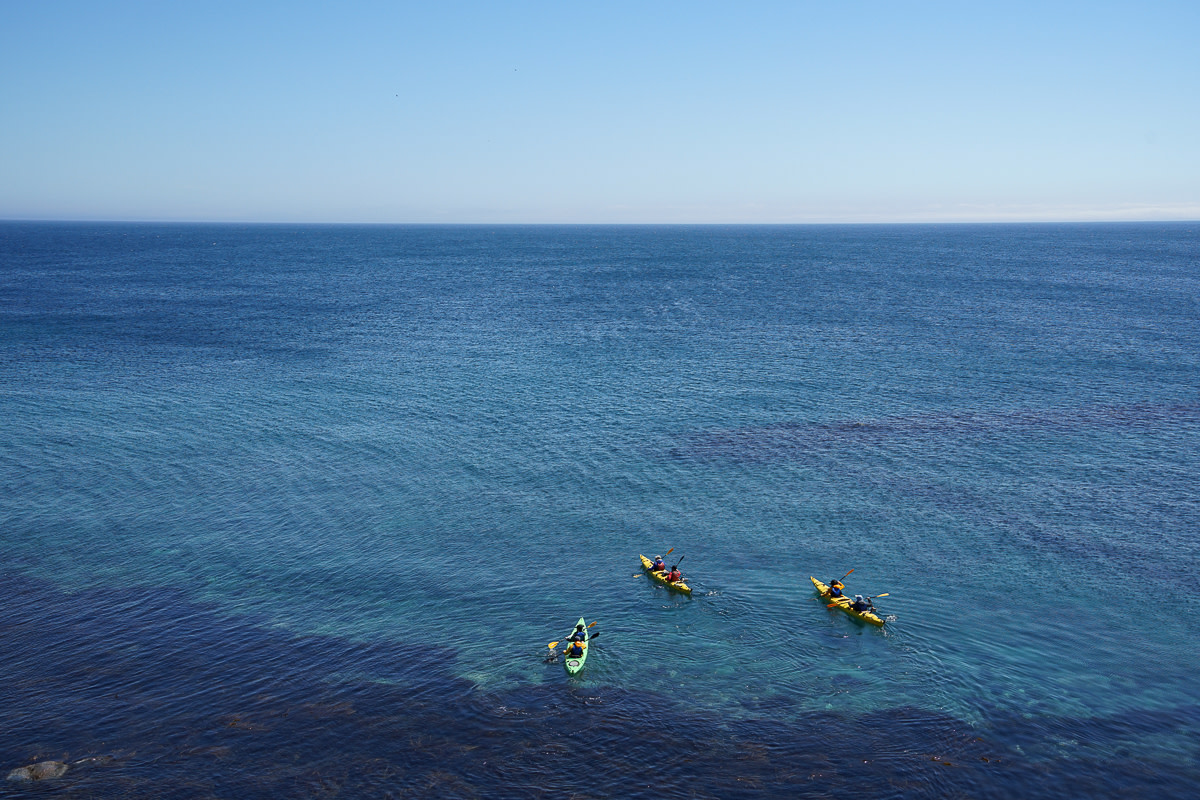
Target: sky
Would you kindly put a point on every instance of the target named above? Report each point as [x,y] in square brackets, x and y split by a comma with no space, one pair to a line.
[600,112]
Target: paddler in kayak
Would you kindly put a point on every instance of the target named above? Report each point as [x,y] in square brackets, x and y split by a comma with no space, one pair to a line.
[659,565]
[576,642]
[674,576]
[862,604]
[835,588]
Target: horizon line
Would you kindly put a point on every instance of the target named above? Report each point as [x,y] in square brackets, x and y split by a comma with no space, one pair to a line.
[495,224]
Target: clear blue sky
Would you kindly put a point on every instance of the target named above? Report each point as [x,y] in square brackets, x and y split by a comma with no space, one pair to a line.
[578,111]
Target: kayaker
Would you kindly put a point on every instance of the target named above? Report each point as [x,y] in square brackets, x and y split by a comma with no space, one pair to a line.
[575,650]
[580,634]
[674,576]
[861,604]
[659,564]
[835,588]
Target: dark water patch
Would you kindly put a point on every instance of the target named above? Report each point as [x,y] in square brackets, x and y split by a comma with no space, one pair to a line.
[803,440]
[144,693]
[1084,522]
[1099,734]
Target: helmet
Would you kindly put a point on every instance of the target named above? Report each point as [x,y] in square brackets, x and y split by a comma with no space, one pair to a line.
[658,558]
[858,597]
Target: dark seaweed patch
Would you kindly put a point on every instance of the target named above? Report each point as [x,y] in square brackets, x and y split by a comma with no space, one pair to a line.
[806,440]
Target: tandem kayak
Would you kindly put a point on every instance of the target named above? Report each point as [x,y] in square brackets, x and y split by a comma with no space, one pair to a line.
[844,604]
[573,665]
[678,586]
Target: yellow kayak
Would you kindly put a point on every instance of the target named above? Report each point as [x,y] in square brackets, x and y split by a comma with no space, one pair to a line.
[678,586]
[844,604]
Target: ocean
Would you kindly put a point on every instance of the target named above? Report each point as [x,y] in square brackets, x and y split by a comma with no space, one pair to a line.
[296,510]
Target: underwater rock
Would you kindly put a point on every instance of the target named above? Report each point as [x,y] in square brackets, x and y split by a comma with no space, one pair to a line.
[40,771]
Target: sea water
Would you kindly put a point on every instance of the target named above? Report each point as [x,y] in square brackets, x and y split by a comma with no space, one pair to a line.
[296,510]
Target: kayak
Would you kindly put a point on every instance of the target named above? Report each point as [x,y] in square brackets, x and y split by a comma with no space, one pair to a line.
[844,604]
[573,665]
[678,586]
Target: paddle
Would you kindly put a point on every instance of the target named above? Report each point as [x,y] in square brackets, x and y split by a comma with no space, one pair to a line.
[551,645]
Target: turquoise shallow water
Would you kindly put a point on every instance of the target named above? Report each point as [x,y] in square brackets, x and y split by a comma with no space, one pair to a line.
[457,440]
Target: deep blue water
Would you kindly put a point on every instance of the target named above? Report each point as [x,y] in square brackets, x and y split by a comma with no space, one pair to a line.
[295,510]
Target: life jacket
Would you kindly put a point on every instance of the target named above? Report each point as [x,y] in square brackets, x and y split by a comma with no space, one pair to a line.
[579,636]
[835,590]
[576,649]
[675,576]
[659,566]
